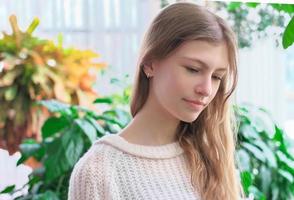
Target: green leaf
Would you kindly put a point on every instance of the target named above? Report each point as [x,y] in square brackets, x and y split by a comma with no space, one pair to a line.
[53,125]
[48,195]
[262,121]
[27,151]
[249,132]
[279,138]
[30,148]
[33,26]
[109,120]
[286,175]
[103,100]
[267,152]
[255,151]
[63,153]
[97,126]
[110,113]
[257,193]
[73,144]
[87,128]
[233,6]
[55,106]
[283,158]
[265,174]
[246,179]
[8,189]
[252,5]
[123,116]
[243,160]
[288,8]
[288,35]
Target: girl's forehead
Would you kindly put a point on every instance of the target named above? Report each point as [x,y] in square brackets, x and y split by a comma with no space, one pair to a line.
[199,45]
[210,54]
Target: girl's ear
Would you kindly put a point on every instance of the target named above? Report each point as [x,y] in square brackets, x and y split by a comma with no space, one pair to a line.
[148,68]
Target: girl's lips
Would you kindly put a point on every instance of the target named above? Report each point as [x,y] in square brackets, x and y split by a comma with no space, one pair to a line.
[194,105]
[195,102]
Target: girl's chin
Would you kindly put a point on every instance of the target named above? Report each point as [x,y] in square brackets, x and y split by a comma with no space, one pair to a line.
[190,119]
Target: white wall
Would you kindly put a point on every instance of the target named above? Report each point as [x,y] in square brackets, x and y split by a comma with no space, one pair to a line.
[261,78]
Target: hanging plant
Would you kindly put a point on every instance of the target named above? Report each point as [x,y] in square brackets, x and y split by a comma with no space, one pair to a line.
[34,69]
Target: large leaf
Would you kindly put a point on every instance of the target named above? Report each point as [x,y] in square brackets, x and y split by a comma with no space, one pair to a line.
[56,106]
[53,125]
[100,130]
[288,35]
[30,147]
[87,128]
[63,153]
[249,132]
[261,121]
[254,151]
[243,160]
[267,152]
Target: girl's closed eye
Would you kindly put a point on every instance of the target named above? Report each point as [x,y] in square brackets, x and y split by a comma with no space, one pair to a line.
[219,78]
[191,69]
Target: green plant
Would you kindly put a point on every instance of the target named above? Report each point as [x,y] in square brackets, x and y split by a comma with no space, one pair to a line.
[265,162]
[270,16]
[66,137]
[36,69]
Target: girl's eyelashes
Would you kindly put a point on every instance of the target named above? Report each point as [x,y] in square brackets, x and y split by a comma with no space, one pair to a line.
[217,78]
[193,70]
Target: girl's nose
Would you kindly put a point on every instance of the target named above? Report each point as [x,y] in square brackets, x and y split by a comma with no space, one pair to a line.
[204,88]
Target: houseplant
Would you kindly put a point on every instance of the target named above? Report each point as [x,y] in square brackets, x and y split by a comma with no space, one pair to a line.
[34,69]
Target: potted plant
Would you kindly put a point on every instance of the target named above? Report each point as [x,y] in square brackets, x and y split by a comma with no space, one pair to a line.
[33,69]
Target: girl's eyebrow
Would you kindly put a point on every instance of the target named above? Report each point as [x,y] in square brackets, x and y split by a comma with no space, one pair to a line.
[203,63]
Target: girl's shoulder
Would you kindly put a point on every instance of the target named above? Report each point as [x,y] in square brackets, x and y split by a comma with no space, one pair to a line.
[89,173]
[97,155]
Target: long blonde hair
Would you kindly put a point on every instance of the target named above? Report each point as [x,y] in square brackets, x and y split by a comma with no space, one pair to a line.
[209,141]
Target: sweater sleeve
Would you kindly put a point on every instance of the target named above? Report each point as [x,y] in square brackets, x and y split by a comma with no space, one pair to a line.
[87,178]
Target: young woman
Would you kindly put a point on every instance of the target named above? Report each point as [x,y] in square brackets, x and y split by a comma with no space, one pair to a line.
[180,143]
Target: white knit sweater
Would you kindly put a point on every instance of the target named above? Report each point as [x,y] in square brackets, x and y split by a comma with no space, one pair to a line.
[115,169]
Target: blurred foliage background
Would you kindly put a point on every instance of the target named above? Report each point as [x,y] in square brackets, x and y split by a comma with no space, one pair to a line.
[52,115]
[36,69]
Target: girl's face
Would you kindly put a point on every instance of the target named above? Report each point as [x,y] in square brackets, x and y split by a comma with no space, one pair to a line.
[187,81]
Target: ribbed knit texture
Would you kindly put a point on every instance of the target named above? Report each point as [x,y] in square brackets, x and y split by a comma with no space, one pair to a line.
[115,169]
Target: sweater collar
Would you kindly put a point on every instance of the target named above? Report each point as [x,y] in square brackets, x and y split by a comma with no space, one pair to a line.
[146,151]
